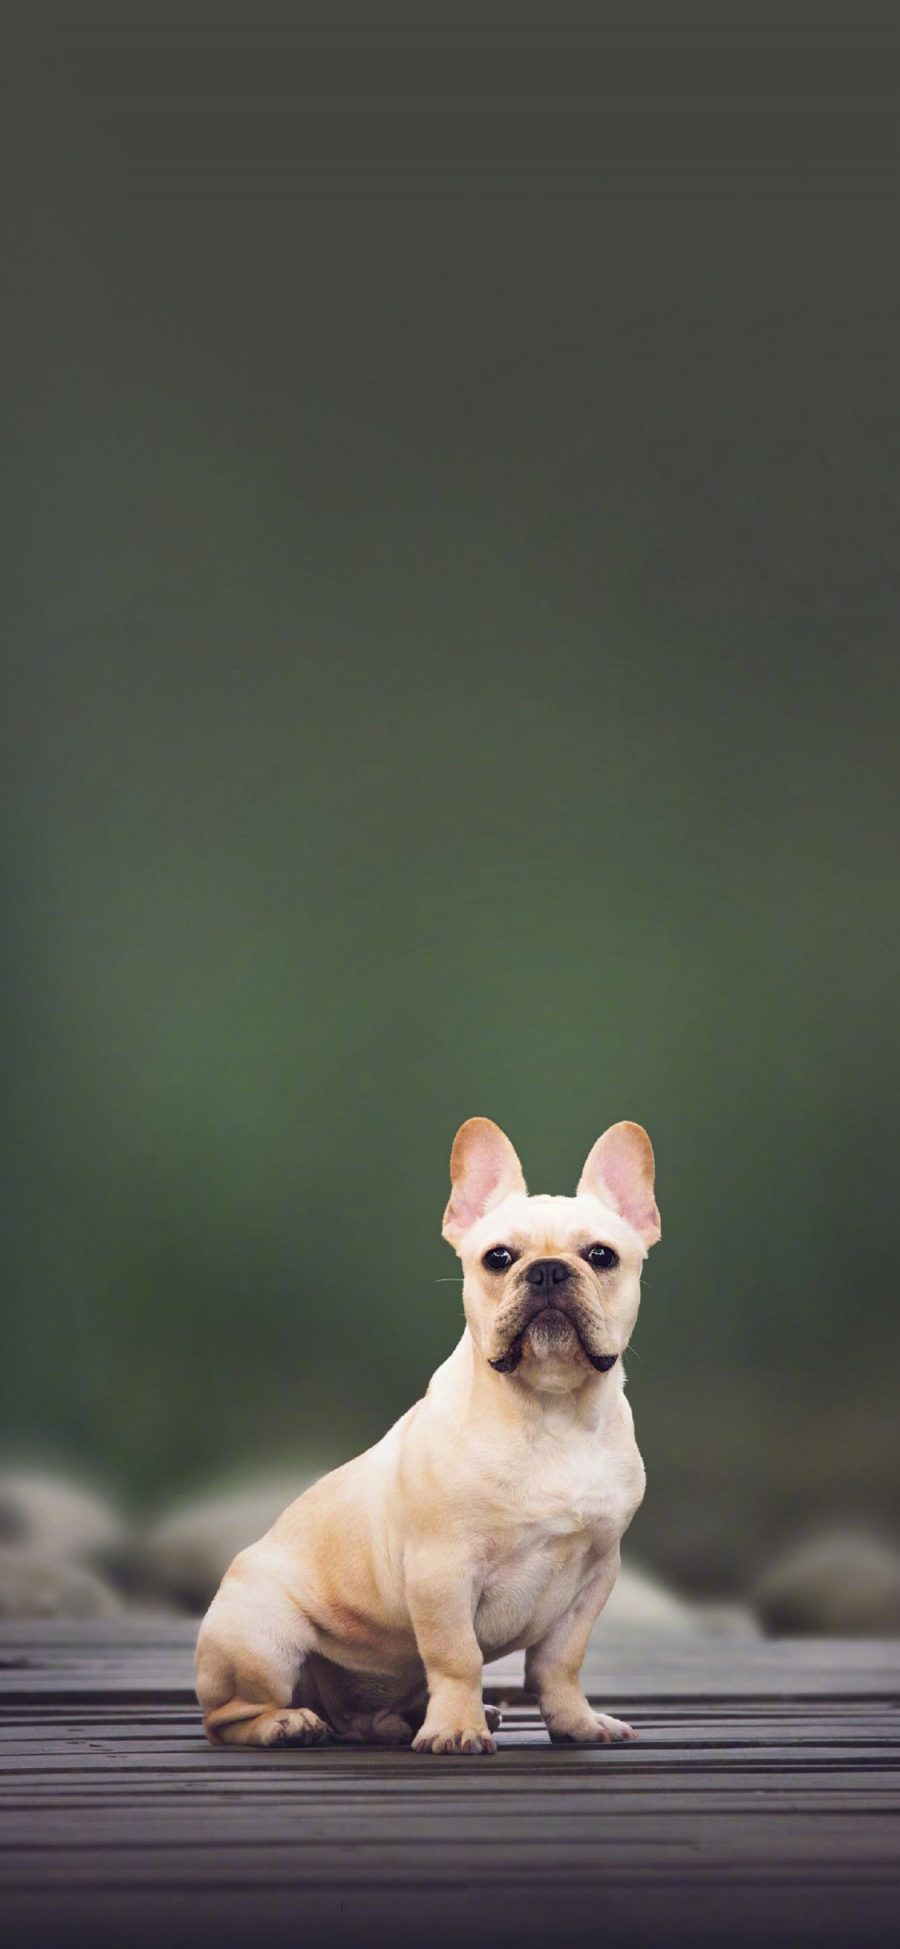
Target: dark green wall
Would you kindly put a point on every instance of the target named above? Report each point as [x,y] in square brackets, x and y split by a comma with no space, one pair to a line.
[454,671]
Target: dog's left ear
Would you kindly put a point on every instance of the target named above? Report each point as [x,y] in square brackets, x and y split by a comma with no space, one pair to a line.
[484,1169]
[619,1171]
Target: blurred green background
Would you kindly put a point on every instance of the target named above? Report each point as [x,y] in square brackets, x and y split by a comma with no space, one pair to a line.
[455,671]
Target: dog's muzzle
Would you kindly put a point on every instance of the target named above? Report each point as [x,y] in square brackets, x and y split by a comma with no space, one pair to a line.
[546,1291]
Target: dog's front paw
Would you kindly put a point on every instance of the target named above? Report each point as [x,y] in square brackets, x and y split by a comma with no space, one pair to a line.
[595,1728]
[454,1739]
[609,1728]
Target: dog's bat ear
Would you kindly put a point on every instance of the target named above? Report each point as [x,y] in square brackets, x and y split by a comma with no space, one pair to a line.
[484,1169]
[619,1171]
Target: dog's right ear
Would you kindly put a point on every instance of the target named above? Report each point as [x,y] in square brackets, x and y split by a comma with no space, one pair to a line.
[484,1169]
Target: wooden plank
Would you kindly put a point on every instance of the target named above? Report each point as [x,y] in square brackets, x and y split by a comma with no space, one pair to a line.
[761,1804]
[318,1850]
[698,1739]
[155,1660]
[626,1916]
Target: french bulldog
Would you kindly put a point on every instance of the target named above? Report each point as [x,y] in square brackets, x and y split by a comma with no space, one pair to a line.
[489,1518]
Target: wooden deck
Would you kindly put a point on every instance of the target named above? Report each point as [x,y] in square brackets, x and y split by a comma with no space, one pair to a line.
[761,1804]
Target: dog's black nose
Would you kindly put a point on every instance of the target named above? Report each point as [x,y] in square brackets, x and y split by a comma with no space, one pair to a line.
[548,1272]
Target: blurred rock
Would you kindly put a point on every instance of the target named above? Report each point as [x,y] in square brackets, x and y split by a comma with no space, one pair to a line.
[189,1549]
[725,1620]
[60,1520]
[843,1582]
[642,1602]
[639,1602]
[33,1586]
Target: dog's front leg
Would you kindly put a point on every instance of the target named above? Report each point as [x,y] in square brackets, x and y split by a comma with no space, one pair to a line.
[440,1599]
[552,1666]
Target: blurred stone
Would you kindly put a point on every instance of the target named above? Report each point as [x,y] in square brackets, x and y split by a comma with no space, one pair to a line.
[725,1620]
[643,1602]
[34,1586]
[56,1519]
[189,1550]
[842,1582]
[640,1602]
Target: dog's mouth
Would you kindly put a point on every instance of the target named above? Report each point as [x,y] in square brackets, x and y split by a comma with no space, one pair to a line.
[549,1330]
[551,1333]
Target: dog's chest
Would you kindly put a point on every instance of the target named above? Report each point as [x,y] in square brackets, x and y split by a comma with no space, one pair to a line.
[549,1528]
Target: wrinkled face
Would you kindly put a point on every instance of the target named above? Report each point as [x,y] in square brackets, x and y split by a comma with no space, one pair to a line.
[552,1285]
[551,1277]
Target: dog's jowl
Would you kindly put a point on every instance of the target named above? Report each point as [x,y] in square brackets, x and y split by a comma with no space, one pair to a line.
[488,1518]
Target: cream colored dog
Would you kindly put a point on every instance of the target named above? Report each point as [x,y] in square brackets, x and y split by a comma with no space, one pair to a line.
[488,1518]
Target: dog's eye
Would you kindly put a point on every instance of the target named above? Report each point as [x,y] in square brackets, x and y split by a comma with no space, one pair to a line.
[498,1259]
[602,1258]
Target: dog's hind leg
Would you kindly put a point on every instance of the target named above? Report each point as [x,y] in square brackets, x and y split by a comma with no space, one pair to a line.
[242,1722]
[250,1653]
